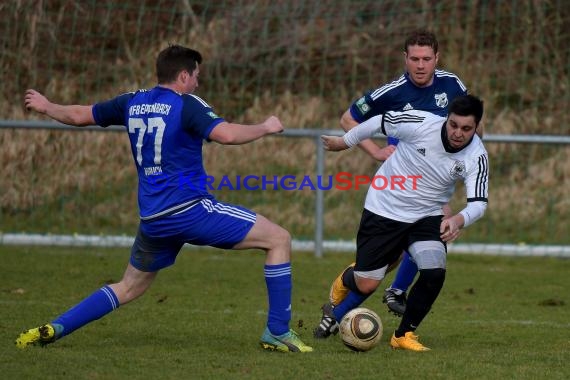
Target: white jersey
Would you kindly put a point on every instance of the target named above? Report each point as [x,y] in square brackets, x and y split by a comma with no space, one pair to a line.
[420,176]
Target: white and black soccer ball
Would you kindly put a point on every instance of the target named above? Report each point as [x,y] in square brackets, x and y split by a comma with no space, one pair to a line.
[361,329]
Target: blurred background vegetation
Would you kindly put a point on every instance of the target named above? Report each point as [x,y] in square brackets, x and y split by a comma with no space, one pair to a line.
[304,61]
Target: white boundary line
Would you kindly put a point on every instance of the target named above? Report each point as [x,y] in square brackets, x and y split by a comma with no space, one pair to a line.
[329,246]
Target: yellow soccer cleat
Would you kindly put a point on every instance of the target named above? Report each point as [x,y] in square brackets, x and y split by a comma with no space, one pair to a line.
[37,336]
[338,291]
[407,342]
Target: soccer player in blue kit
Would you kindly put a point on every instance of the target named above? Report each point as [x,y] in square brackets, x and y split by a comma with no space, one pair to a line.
[166,126]
[422,87]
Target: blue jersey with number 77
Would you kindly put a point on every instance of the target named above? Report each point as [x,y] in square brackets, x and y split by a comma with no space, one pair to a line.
[166,130]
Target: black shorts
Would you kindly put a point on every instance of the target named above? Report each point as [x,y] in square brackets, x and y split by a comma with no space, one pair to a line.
[380,241]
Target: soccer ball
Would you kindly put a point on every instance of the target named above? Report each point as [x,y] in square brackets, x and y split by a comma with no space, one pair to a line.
[361,329]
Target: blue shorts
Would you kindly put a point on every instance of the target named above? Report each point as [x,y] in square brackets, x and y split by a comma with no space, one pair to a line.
[206,223]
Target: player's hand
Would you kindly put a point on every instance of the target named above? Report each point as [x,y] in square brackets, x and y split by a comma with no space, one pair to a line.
[273,125]
[333,143]
[34,101]
[449,229]
[384,153]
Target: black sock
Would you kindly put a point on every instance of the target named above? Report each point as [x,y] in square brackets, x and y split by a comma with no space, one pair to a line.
[348,279]
[421,298]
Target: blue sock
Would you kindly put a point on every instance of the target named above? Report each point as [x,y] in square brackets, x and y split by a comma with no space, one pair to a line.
[97,305]
[279,285]
[351,301]
[406,273]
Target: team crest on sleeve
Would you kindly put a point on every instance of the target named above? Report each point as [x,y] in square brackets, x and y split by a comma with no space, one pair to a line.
[441,100]
[362,106]
[213,115]
[457,170]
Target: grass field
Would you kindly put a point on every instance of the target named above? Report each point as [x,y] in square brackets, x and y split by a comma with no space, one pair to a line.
[495,318]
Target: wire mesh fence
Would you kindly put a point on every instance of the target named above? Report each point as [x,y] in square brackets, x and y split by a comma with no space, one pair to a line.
[304,61]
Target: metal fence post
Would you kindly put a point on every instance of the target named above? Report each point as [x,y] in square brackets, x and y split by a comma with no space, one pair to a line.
[319,201]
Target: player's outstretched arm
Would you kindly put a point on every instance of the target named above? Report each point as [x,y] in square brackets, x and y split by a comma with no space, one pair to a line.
[76,115]
[354,136]
[237,134]
[347,122]
[333,143]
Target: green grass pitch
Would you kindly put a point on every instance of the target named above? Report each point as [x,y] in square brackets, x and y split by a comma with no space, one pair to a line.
[496,317]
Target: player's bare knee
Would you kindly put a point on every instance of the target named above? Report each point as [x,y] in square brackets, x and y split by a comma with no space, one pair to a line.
[367,289]
[281,238]
[366,285]
[368,281]
[269,236]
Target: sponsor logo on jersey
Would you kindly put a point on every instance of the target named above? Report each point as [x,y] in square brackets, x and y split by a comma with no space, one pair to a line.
[143,109]
[422,151]
[408,107]
[362,106]
[152,170]
[457,169]
[213,115]
[441,100]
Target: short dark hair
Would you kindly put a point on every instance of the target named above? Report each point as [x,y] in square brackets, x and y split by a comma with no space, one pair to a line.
[174,59]
[421,37]
[467,105]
